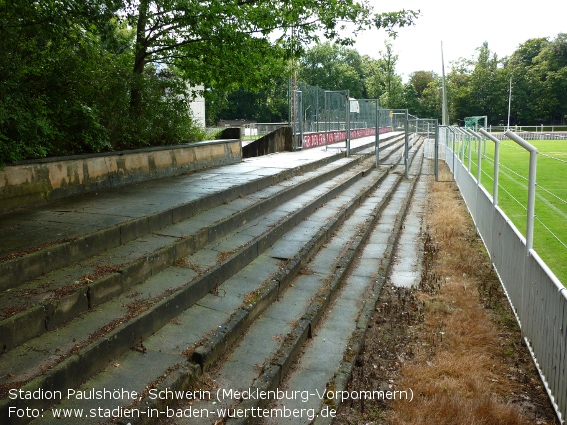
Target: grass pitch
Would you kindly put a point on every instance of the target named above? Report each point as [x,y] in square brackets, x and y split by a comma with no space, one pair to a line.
[550,227]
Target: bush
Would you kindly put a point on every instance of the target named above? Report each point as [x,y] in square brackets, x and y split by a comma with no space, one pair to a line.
[68,92]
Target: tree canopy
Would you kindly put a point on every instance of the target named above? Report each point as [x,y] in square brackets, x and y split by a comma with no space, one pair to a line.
[92,75]
[537,71]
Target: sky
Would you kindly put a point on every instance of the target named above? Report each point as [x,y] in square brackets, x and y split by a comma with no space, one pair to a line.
[462,27]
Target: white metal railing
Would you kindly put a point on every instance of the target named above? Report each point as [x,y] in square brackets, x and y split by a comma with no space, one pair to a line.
[538,298]
[529,128]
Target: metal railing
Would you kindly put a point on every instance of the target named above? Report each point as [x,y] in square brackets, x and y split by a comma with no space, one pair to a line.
[538,298]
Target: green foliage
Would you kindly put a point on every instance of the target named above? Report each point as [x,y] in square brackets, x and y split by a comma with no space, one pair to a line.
[65,82]
[538,70]
[333,67]
[427,86]
[82,76]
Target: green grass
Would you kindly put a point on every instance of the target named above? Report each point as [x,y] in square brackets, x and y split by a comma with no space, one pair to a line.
[550,208]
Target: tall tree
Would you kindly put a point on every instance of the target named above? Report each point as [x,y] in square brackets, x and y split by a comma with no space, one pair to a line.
[393,96]
[524,92]
[549,71]
[333,67]
[420,80]
[233,37]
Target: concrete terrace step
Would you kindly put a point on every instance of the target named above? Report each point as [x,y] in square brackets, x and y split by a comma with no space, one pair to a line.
[230,308]
[327,360]
[247,295]
[332,296]
[47,301]
[40,240]
[84,361]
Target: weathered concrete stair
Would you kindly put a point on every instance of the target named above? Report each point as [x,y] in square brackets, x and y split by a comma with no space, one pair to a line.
[54,298]
[326,306]
[323,363]
[74,230]
[215,322]
[184,284]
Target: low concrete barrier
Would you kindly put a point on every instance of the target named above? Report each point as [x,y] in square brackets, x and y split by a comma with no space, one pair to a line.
[29,183]
[279,140]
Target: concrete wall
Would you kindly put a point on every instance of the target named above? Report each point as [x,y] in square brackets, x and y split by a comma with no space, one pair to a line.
[30,183]
[277,141]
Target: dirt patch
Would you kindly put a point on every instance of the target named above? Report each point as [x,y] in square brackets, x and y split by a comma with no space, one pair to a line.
[453,344]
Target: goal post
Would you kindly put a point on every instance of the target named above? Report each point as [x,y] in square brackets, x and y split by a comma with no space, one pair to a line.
[472,122]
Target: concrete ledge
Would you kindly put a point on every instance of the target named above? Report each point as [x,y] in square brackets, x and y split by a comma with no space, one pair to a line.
[29,183]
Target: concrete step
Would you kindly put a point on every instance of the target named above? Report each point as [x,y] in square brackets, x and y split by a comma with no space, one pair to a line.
[178,296]
[324,336]
[44,239]
[327,360]
[202,324]
[46,302]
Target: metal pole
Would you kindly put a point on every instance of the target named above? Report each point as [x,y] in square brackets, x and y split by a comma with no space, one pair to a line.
[436,168]
[406,125]
[453,137]
[531,188]
[300,114]
[377,133]
[463,145]
[328,121]
[348,123]
[479,154]
[317,109]
[509,103]
[470,150]
[496,164]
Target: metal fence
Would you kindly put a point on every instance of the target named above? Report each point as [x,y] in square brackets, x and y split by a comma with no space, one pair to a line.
[529,128]
[560,135]
[322,117]
[537,297]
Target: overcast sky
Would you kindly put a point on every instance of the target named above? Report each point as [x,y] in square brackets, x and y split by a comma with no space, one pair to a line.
[462,27]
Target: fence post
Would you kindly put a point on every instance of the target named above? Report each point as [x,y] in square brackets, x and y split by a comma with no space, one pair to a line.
[531,187]
[348,123]
[453,139]
[377,138]
[406,125]
[436,168]
[479,154]
[496,164]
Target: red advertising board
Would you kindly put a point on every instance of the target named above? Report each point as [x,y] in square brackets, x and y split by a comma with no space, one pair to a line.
[311,140]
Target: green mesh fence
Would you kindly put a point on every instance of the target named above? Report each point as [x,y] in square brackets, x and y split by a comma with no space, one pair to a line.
[319,116]
[475,122]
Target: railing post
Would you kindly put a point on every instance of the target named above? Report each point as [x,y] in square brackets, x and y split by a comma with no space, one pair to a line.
[496,164]
[328,121]
[377,132]
[436,168]
[453,137]
[406,124]
[531,188]
[470,150]
[348,123]
[479,154]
